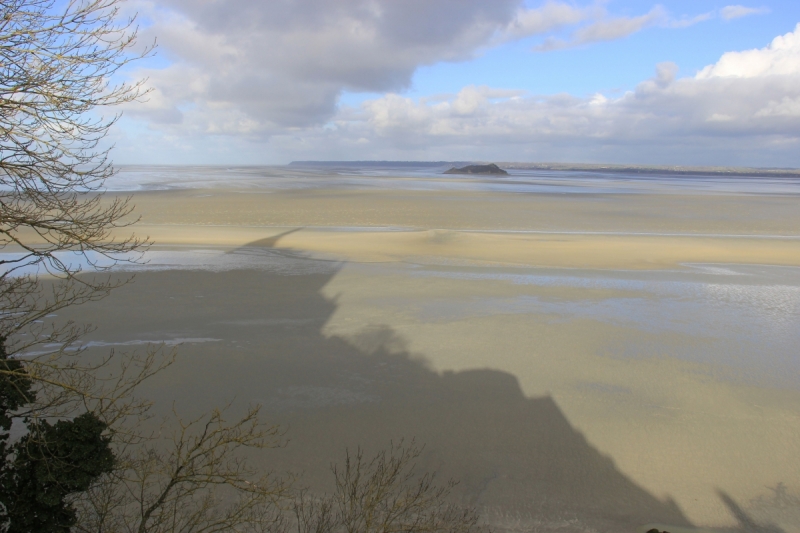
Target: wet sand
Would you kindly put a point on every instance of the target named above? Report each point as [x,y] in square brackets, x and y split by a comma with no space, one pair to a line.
[677,212]
[592,231]
[551,249]
[626,360]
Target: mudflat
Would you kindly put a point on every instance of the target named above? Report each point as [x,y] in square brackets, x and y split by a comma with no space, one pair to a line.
[590,230]
[604,362]
[674,212]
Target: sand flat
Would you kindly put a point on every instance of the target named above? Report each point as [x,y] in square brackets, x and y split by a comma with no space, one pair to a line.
[469,210]
[626,362]
[540,399]
[542,249]
[639,231]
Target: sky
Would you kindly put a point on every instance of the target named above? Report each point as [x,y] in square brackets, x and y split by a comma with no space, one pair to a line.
[244,82]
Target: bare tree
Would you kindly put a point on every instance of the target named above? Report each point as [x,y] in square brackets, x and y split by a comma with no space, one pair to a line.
[196,479]
[385,494]
[58,232]
[201,483]
[56,61]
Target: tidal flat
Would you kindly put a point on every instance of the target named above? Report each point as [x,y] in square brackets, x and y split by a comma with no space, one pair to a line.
[584,352]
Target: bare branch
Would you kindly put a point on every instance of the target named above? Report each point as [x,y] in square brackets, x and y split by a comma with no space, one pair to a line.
[56,62]
[384,495]
[195,480]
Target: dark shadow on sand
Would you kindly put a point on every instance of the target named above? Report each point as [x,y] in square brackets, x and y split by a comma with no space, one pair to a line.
[746,524]
[268,242]
[518,458]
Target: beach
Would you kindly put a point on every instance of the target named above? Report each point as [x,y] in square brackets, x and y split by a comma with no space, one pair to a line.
[583,354]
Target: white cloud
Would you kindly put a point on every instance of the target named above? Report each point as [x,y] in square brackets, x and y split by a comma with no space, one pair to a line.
[252,67]
[752,117]
[735,12]
[276,65]
[787,107]
[552,15]
[606,28]
[781,57]
[616,28]
[685,22]
[251,70]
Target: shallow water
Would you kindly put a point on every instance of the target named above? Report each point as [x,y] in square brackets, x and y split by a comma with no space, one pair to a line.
[131,178]
[749,315]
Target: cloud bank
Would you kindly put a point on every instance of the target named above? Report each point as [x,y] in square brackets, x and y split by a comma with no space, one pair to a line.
[270,74]
[746,101]
[248,66]
[243,66]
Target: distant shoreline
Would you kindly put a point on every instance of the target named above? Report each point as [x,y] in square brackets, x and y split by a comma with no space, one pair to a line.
[579,167]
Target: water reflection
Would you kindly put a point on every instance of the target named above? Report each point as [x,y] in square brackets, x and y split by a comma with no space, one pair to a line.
[749,315]
[427,178]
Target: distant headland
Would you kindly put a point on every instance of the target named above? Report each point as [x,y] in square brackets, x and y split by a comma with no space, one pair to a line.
[373,163]
[573,167]
[490,169]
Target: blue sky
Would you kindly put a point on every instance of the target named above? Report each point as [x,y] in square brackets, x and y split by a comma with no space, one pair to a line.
[614,65]
[250,82]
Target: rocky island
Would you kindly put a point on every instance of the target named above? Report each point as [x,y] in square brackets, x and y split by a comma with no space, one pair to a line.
[490,169]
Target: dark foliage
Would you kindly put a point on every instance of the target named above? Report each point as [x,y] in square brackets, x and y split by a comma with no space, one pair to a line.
[50,462]
[15,391]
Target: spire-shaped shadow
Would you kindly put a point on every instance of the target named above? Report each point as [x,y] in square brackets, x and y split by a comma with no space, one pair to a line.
[268,242]
[745,523]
